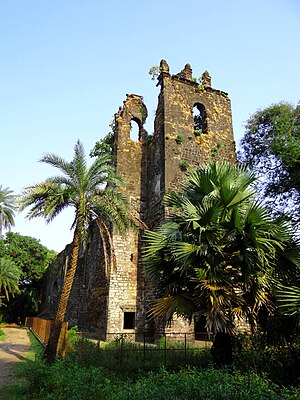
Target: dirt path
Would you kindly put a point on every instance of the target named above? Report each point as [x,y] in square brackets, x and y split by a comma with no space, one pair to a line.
[12,350]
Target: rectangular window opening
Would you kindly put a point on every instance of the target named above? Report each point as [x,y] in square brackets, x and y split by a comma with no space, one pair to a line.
[129,320]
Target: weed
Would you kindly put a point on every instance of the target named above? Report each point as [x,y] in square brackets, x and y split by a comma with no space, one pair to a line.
[179,138]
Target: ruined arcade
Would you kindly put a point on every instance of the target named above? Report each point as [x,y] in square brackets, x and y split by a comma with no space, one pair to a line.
[193,124]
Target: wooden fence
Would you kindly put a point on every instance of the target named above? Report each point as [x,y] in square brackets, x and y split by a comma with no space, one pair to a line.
[41,329]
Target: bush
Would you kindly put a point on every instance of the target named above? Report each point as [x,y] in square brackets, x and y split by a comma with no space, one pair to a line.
[205,385]
[281,364]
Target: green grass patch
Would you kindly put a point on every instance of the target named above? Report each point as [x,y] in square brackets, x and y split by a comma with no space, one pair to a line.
[2,335]
[94,374]
[19,388]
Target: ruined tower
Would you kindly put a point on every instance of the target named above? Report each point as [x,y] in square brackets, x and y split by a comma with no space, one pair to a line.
[193,125]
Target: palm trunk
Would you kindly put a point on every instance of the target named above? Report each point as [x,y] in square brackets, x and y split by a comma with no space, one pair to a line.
[51,348]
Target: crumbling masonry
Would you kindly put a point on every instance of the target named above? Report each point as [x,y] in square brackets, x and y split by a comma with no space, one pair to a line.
[193,124]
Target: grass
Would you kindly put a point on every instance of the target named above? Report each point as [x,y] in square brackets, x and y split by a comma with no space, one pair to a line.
[18,389]
[81,376]
[2,335]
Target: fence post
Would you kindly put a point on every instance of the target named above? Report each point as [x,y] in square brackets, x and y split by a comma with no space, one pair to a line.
[185,347]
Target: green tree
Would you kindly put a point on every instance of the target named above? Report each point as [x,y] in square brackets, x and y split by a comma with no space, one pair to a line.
[9,277]
[105,146]
[93,194]
[32,259]
[7,208]
[28,254]
[219,252]
[271,148]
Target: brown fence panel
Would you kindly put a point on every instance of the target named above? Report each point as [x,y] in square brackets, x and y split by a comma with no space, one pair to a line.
[42,327]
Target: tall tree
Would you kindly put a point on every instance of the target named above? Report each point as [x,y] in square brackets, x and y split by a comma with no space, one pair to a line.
[9,277]
[219,252]
[271,148]
[28,254]
[93,193]
[7,208]
[32,258]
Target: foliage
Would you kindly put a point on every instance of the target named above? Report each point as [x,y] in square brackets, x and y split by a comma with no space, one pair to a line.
[289,299]
[9,277]
[271,148]
[179,138]
[94,194]
[105,146]
[127,356]
[68,381]
[7,208]
[2,335]
[280,364]
[31,258]
[198,132]
[219,252]
[209,384]
[184,165]
[75,378]
[154,72]
[28,254]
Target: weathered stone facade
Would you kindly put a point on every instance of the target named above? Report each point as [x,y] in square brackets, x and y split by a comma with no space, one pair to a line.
[152,165]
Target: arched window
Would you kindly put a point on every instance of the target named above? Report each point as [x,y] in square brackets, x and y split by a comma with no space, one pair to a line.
[135,130]
[199,116]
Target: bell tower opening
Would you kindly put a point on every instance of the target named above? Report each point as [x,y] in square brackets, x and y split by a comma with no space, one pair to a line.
[200,120]
[135,131]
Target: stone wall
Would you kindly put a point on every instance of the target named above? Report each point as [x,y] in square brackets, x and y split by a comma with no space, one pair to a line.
[119,300]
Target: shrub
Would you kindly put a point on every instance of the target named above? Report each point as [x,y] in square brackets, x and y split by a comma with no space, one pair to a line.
[208,384]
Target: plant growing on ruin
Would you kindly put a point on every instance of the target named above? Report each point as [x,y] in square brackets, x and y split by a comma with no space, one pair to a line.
[184,165]
[179,138]
[154,72]
[92,191]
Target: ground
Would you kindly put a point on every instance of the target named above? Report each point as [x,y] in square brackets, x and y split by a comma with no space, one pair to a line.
[12,350]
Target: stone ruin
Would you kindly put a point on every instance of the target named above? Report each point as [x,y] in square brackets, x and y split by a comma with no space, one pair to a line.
[193,124]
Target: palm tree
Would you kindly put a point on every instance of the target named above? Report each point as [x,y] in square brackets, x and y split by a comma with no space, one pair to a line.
[7,208]
[9,277]
[289,300]
[92,192]
[218,253]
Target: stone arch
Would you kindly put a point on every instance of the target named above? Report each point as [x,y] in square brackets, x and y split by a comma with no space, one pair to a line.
[199,118]
[135,129]
[133,110]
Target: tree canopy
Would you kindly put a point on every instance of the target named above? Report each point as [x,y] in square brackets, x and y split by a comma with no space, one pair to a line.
[93,193]
[219,252]
[9,277]
[271,148]
[7,207]
[31,257]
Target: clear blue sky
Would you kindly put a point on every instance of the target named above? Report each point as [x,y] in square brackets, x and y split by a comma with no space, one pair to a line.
[66,66]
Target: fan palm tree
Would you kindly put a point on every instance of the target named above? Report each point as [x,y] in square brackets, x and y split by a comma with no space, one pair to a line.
[7,208]
[289,300]
[93,194]
[218,252]
[9,277]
